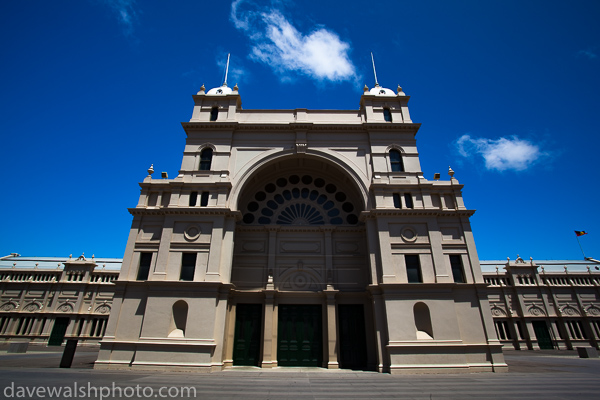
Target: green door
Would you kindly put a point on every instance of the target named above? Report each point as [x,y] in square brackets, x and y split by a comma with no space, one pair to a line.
[248,328]
[300,336]
[353,341]
[543,335]
[58,331]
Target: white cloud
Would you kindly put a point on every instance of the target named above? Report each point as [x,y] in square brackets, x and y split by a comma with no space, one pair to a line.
[320,54]
[125,12]
[589,53]
[506,153]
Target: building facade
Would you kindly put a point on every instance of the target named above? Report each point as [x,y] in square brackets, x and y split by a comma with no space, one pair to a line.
[50,299]
[301,238]
[545,305]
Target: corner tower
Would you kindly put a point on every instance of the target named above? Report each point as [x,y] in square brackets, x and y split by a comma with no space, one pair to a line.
[301,238]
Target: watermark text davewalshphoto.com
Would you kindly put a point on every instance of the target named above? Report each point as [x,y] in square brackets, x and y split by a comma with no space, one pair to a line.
[89,391]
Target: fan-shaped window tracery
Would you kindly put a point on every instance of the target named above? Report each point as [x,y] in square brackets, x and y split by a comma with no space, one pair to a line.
[300,200]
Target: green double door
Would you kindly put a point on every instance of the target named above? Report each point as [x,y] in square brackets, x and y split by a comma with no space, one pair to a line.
[300,336]
[248,328]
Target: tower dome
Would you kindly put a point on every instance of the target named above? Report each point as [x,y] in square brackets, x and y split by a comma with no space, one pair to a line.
[221,90]
[381,91]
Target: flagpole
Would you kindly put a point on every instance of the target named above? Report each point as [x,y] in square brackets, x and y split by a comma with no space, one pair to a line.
[580,247]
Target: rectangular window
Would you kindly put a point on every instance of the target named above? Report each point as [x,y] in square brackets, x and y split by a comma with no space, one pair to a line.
[144,269]
[457,268]
[193,198]
[42,325]
[214,113]
[502,330]
[576,330]
[80,329]
[408,200]
[387,115]
[397,202]
[520,330]
[188,266]
[93,326]
[204,199]
[558,329]
[413,268]
[396,161]
[595,325]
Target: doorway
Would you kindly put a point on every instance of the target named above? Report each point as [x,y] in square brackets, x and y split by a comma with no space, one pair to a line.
[300,336]
[58,331]
[353,341]
[248,328]
[542,334]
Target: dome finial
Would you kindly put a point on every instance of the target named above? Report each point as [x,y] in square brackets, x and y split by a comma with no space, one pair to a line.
[374,72]
[226,70]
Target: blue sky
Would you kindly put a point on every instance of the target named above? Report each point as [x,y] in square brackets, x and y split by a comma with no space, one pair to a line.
[93,92]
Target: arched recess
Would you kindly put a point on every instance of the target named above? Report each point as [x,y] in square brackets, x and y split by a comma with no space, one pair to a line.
[423,321]
[300,191]
[178,319]
[323,161]
[303,210]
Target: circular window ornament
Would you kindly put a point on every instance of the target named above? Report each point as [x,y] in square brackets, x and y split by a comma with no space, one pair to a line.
[300,281]
[192,233]
[408,234]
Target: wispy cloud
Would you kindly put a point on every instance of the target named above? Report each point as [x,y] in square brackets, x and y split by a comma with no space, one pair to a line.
[590,53]
[126,13]
[506,153]
[319,54]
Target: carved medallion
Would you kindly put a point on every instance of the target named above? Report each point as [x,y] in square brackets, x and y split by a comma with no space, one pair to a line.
[192,233]
[498,312]
[65,307]
[8,307]
[31,307]
[536,311]
[103,309]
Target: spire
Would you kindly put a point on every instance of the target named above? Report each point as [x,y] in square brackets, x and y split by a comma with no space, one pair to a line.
[226,70]
[374,72]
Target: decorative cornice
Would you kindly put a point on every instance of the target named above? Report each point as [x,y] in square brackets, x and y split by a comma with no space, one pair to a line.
[294,126]
[394,212]
[186,211]
[300,228]
[189,185]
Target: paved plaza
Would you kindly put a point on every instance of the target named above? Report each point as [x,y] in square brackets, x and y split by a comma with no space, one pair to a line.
[532,375]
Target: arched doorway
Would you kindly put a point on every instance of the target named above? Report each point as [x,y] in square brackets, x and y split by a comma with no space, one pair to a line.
[300,249]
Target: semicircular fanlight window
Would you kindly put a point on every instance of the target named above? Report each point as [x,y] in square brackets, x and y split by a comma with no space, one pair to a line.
[300,214]
[295,200]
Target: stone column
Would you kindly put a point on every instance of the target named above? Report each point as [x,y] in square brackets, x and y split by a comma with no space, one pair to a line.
[219,328]
[372,236]
[269,359]
[332,329]
[328,255]
[162,256]
[441,268]
[214,257]
[227,251]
